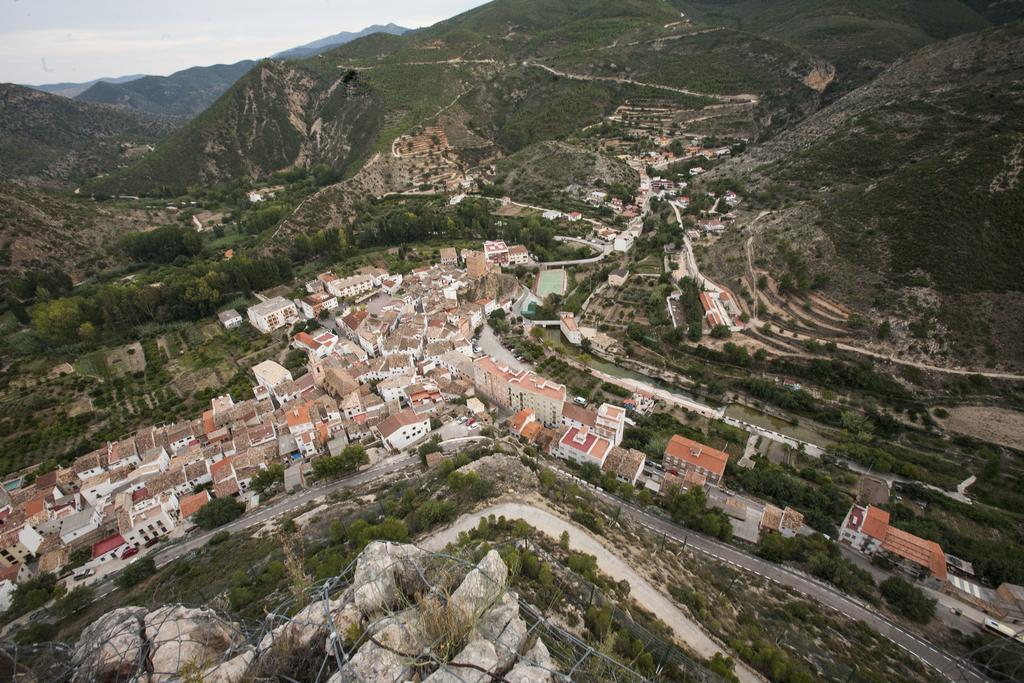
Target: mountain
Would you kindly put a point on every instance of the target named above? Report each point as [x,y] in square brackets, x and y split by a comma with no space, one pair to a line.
[73,89]
[183,93]
[516,73]
[904,199]
[493,71]
[858,38]
[53,138]
[318,46]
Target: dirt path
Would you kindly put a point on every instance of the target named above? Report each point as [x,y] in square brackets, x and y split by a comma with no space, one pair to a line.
[750,99]
[641,590]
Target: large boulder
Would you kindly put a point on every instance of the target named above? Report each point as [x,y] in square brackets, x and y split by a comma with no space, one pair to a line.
[482,586]
[385,574]
[183,638]
[387,661]
[110,648]
[234,670]
[503,626]
[535,666]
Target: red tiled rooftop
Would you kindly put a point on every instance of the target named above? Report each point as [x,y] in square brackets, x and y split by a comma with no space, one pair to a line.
[107,544]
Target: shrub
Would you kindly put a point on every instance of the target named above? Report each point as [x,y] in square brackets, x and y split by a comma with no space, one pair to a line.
[136,572]
[908,600]
[219,512]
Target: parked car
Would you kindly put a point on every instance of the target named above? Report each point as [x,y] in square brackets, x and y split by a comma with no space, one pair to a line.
[580,401]
[152,542]
[461,419]
[82,572]
[473,427]
[129,552]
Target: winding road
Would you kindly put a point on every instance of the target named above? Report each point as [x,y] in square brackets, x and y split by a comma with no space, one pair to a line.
[641,590]
[688,631]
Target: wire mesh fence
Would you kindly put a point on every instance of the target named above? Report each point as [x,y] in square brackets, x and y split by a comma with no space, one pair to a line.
[397,613]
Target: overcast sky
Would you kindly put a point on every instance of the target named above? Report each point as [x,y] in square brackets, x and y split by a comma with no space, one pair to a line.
[49,41]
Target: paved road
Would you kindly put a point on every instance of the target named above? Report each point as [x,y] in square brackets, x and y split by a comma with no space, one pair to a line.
[798,581]
[263,514]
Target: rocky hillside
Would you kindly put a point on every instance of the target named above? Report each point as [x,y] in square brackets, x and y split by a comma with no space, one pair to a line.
[55,139]
[44,231]
[403,614]
[904,199]
[498,69]
[553,170]
[277,115]
[182,94]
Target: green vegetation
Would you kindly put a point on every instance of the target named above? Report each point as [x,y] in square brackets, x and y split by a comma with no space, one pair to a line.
[908,600]
[139,570]
[333,466]
[823,559]
[218,512]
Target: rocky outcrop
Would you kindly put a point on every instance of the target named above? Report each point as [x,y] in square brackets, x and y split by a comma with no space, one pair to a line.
[184,638]
[406,614]
[111,647]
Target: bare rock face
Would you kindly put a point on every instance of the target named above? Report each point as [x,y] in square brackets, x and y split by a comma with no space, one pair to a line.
[535,666]
[503,626]
[183,638]
[110,648]
[482,586]
[384,573]
[406,615]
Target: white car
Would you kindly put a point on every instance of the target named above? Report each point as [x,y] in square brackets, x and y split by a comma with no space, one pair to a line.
[473,427]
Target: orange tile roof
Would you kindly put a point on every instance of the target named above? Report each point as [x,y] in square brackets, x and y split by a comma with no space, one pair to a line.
[876,523]
[221,470]
[35,506]
[520,418]
[189,505]
[208,425]
[298,416]
[531,430]
[697,454]
[918,550]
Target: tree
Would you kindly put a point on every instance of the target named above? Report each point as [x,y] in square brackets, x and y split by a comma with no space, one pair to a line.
[141,569]
[334,466]
[219,512]
[268,477]
[57,321]
[908,600]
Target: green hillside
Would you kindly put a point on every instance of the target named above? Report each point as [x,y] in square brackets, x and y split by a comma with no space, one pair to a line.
[859,38]
[906,195]
[56,139]
[552,171]
[184,93]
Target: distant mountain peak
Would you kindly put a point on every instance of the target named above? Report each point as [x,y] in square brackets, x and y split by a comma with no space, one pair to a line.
[323,44]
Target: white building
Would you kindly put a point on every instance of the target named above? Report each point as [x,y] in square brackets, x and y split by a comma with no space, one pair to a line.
[270,374]
[230,318]
[403,429]
[567,323]
[351,286]
[624,241]
[272,314]
[582,445]
[317,302]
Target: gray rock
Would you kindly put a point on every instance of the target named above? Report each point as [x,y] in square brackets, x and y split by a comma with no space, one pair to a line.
[482,586]
[232,671]
[536,665]
[503,626]
[111,646]
[384,573]
[479,653]
[373,662]
[185,638]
